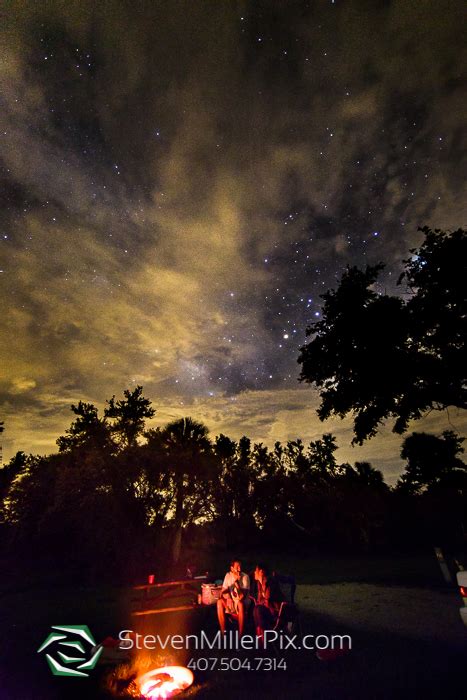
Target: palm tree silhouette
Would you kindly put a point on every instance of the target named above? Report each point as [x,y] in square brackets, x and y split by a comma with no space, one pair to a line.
[186,451]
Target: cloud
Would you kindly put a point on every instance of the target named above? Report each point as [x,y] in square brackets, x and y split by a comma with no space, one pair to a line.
[20,385]
[264,416]
[156,157]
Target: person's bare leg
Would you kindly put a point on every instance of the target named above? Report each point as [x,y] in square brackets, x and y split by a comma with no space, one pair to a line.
[221,614]
[241,617]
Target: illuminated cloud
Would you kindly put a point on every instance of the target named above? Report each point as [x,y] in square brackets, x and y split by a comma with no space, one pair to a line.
[21,385]
[178,194]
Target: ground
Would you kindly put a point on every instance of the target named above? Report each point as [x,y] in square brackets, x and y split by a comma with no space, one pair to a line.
[407,636]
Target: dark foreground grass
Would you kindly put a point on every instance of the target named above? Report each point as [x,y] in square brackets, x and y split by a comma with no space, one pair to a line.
[392,658]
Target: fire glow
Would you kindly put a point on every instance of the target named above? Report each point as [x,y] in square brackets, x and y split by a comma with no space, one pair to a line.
[164,682]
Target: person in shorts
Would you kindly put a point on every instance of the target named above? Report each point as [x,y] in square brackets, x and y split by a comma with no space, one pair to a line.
[234,597]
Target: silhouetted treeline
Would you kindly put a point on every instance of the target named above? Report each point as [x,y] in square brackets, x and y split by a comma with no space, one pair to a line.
[117,496]
[378,357]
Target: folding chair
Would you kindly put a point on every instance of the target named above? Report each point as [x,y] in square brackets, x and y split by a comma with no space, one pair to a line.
[287,580]
[288,619]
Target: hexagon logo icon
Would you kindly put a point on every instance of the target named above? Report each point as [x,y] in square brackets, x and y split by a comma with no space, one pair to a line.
[71,650]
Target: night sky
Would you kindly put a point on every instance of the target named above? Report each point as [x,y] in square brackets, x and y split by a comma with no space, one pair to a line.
[180,181]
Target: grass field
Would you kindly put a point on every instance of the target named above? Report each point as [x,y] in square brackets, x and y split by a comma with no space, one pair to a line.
[407,637]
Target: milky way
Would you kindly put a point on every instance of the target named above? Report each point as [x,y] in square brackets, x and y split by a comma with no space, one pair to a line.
[182,180]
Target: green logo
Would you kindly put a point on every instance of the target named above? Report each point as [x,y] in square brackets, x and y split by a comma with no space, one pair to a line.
[74,650]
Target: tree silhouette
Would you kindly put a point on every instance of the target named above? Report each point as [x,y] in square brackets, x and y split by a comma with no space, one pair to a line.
[128,416]
[321,455]
[29,496]
[225,497]
[8,474]
[432,461]
[363,473]
[437,276]
[377,356]
[184,451]
[88,430]
[103,503]
[362,498]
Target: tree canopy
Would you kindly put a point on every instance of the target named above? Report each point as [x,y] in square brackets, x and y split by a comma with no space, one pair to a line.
[433,461]
[129,415]
[110,501]
[88,430]
[378,356]
[184,451]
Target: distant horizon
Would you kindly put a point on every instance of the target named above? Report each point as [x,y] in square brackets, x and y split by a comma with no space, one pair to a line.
[249,409]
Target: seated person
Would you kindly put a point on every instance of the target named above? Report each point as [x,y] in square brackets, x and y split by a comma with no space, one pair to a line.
[268,597]
[234,595]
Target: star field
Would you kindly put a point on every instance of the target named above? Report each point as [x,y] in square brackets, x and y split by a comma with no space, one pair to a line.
[180,182]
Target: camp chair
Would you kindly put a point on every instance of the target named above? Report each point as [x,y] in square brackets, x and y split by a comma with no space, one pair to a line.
[288,618]
[286,580]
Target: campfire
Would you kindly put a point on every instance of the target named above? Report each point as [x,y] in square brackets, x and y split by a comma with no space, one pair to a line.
[135,680]
[164,682]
